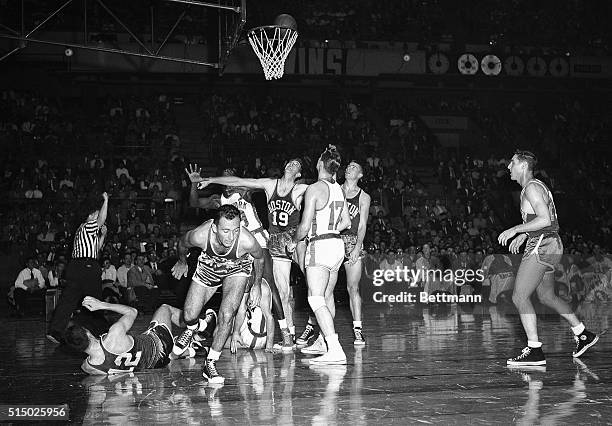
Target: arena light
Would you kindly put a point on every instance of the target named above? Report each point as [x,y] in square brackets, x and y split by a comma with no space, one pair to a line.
[438,63]
[467,64]
[491,65]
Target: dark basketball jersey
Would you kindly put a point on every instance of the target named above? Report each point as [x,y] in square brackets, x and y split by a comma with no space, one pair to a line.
[552,212]
[124,362]
[283,214]
[354,213]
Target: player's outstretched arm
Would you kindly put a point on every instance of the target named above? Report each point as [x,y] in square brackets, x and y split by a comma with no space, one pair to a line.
[262,183]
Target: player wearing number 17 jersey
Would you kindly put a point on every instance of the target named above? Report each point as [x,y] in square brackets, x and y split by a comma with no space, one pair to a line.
[324,216]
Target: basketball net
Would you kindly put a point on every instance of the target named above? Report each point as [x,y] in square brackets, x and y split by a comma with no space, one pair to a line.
[272,45]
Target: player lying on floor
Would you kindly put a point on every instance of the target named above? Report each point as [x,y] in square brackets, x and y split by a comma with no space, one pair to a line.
[119,352]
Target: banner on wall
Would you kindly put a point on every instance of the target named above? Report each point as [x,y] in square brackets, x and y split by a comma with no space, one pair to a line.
[353,62]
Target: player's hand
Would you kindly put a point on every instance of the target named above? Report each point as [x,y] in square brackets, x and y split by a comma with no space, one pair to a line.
[516,243]
[105,196]
[254,296]
[93,304]
[506,236]
[103,230]
[179,270]
[290,249]
[193,172]
[204,183]
[235,343]
[354,256]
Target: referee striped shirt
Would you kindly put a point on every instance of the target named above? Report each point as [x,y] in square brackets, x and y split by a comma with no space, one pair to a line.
[87,240]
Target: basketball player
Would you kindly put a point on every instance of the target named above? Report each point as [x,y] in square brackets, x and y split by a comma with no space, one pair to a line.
[284,198]
[229,252]
[118,352]
[543,251]
[325,215]
[358,202]
[240,197]
[253,332]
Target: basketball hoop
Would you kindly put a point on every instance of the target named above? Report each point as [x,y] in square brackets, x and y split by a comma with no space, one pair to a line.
[272,44]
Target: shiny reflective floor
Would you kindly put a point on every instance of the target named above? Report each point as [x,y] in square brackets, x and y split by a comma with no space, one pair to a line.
[421,365]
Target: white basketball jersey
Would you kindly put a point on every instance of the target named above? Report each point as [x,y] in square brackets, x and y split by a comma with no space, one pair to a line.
[327,219]
[253,330]
[248,215]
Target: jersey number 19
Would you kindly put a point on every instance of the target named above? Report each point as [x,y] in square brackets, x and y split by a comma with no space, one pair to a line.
[280,218]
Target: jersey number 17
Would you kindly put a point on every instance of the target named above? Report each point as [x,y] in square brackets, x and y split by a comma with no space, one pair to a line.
[335,214]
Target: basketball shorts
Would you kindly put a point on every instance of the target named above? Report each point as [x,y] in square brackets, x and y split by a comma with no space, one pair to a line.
[350,241]
[278,243]
[210,272]
[157,344]
[325,253]
[547,249]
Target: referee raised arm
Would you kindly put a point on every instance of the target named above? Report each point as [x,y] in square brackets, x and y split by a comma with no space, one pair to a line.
[83,274]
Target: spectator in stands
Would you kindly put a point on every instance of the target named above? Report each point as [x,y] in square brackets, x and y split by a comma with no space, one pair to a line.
[29,282]
[57,275]
[140,279]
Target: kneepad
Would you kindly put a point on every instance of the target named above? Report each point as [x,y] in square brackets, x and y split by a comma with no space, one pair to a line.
[316,302]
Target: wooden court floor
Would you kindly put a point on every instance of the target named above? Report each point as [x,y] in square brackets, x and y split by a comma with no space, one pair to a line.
[421,366]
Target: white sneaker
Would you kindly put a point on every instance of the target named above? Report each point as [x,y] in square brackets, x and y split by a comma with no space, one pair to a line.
[318,347]
[337,356]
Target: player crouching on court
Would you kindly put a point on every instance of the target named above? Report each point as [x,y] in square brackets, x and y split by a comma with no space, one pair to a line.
[117,351]
[324,216]
[257,329]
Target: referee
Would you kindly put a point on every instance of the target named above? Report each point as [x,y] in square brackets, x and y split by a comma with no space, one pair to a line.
[83,274]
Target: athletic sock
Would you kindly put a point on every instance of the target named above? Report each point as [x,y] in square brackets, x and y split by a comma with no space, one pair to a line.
[213,354]
[282,323]
[533,344]
[202,324]
[356,324]
[332,342]
[193,324]
[579,329]
[292,330]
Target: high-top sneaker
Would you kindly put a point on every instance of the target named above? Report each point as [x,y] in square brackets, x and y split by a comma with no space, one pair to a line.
[306,335]
[583,342]
[287,344]
[209,372]
[318,347]
[183,341]
[529,356]
[359,339]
